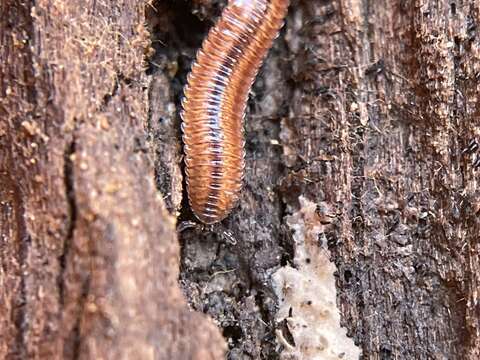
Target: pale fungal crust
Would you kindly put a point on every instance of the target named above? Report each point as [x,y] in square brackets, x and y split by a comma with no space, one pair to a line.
[307,296]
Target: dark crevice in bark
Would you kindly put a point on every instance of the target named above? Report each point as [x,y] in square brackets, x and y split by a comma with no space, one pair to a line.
[176,41]
[175,34]
[285,236]
[76,336]
[254,332]
[69,183]
[175,44]
[74,339]
[267,313]
[107,97]
[148,124]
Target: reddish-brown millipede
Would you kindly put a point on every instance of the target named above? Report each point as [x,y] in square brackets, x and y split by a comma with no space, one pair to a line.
[214,103]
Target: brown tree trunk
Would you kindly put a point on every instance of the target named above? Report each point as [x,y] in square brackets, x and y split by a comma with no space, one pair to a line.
[89,253]
[360,208]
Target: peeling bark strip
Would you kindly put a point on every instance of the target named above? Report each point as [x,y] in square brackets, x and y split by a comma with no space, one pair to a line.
[89,256]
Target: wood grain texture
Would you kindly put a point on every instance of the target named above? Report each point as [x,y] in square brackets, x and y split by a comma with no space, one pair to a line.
[381,141]
[215,101]
[89,255]
[364,107]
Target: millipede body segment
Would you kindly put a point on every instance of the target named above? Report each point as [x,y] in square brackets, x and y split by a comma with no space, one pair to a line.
[215,99]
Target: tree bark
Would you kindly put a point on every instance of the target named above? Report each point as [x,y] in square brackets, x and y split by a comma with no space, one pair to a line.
[89,253]
[361,140]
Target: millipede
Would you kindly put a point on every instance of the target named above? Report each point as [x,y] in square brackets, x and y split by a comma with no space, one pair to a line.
[215,99]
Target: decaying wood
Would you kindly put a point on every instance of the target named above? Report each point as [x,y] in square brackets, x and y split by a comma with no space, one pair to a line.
[367,108]
[89,254]
[373,105]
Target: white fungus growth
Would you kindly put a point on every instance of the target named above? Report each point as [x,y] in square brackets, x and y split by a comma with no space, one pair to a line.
[307,295]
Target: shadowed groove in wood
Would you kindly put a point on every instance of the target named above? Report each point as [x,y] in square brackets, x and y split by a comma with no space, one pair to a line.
[215,101]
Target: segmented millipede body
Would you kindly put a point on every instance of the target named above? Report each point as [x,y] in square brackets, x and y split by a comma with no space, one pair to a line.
[215,99]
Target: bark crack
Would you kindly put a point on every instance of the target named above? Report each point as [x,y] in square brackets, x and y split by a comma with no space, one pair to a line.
[69,182]
[74,340]
[76,332]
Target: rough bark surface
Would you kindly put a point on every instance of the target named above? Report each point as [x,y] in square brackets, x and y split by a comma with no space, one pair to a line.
[89,255]
[367,108]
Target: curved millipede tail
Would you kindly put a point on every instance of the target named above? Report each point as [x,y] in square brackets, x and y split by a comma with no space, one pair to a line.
[215,99]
